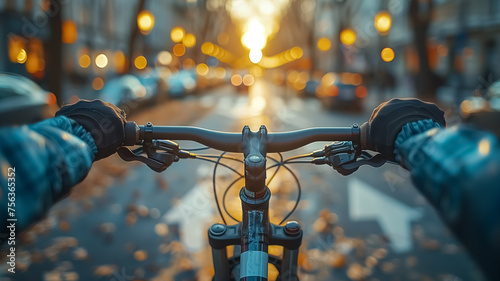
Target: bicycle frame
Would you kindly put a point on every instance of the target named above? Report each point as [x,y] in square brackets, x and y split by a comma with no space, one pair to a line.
[255,233]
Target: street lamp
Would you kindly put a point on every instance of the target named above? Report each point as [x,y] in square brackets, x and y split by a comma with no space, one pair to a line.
[140,62]
[324,44]
[69,32]
[189,40]
[383,22]
[84,61]
[348,36]
[255,55]
[387,54]
[101,61]
[145,21]
[21,56]
[177,34]
[255,37]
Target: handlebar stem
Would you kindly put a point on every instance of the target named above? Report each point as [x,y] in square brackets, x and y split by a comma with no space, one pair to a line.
[255,151]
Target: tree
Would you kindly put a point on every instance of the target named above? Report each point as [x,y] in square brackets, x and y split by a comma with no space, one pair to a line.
[53,51]
[420,13]
[134,35]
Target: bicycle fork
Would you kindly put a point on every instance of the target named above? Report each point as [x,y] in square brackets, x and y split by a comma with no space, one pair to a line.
[255,233]
[254,258]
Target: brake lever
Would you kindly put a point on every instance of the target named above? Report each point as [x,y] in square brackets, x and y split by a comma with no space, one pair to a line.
[156,161]
[346,158]
[128,155]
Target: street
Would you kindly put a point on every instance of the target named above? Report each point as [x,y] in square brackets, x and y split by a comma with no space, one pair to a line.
[126,222]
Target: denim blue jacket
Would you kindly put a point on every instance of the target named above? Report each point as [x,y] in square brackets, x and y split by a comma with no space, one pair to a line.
[458,171]
[40,163]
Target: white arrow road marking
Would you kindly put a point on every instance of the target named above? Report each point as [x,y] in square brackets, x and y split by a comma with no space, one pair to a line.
[394,217]
[207,101]
[196,210]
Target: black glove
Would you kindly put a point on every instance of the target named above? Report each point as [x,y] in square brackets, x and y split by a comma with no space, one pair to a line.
[379,134]
[103,120]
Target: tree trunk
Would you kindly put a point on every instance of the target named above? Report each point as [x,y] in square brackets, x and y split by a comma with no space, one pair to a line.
[53,50]
[134,35]
[425,78]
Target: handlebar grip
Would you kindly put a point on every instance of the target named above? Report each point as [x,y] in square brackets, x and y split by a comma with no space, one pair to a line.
[131,133]
[364,137]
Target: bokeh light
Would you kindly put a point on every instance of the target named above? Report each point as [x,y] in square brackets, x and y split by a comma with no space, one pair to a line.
[346,78]
[189,40]
[22,56]
[223,38]
[255,55]
[383,22]
[328,79]
[361,91]
[236,80]
[202,69]
[119,61]
[255,37]
[140,62]
[484,147]
[177,34]
[387,54]
[256,71]
[179,50]
[69,32]
[248,80]
[84,61]
[296,52]
[101,61]
[97,83]
[207,48]
[16,44]
[145,21]
[324,44]
[164,57]
[34,64]
[220,72]
[356,79]
[161,229]
[140,255]
[188,63]
[348,36]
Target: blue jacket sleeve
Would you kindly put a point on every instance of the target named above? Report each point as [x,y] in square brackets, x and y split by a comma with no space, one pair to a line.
[458,171]
[39,165]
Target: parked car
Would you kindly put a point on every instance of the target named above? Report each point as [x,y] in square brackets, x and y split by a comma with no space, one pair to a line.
[156,84]
[342,91]
[22,101]
[310,88]
[126,91]
[150,82]
[182,83]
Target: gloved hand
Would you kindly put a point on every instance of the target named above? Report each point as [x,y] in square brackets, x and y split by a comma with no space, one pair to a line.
[379,134]
[103,120]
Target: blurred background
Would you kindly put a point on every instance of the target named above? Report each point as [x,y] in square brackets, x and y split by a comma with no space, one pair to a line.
[220,64]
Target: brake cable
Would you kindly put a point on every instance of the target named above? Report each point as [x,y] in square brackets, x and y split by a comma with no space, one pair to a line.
[344,157]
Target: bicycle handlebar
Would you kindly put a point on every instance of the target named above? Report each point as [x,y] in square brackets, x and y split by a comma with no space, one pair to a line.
[232,142]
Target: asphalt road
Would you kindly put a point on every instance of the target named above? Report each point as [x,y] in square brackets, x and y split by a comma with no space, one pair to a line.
[125,222]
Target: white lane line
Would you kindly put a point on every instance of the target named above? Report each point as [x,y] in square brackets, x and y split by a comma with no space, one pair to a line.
[394,217]
[196,210]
